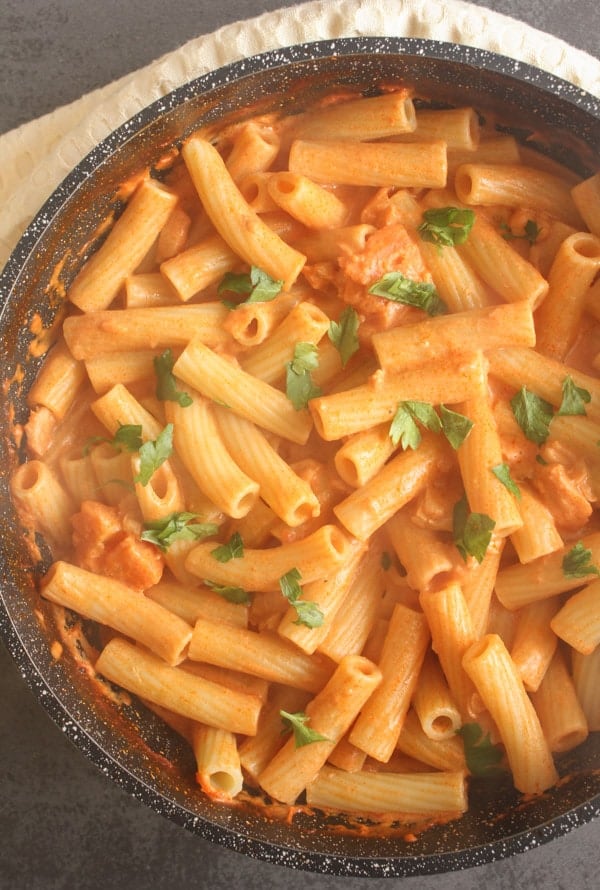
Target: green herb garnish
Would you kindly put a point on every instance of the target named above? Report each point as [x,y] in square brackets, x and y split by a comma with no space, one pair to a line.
[577,563]
[531,232]
[308,613]
[166,385]
[303,734]
[256,285]
[233,549]
[404,429]
[456,427]
[127,438]
[446,226]
[299,385]
[421,294]
[232,594]
[344,334]
[502,473]
[533,414]
[177,527]
[153,454]
[483,757]
[472,532]
[574,398]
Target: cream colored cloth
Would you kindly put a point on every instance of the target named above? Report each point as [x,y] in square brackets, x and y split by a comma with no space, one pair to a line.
[35,157]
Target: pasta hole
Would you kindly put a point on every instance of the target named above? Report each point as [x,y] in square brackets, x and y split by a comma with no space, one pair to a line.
[244,503]
[463,184]
[569,741]
[28,475]
[303,512]
[587,246]
[442,725]
[410,114]
[251,330]
[223,782]
[367,668]
[473,129]
[285,184]
[338,540]
[160,483]
[347,470]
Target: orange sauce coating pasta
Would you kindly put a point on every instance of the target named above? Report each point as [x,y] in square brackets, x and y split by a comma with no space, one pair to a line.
[141,445]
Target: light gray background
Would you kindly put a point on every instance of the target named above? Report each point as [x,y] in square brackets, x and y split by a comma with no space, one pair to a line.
[62,824]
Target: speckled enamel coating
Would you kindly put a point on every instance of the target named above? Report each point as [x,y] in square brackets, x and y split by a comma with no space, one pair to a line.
[498,825]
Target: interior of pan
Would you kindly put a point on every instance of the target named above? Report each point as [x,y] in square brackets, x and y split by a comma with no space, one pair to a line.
[129,744]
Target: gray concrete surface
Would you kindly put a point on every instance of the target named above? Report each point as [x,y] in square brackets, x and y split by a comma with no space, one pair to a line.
[62,824]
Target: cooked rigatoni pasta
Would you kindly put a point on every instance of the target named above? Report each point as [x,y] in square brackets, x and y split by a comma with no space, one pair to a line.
[198,267]
[516,186]
[42,501]
[380,722]
[132,329]
[116,605]
[331,714]
[452,633]
[586,195]
[316,449]
[218,767]
[127,244]
[558,320]
[242,229]
[145,674]
[578,621]
[360,119]
[560,713]
[415,165]
[58,382]
[405,795]
[534,642]
[489,665]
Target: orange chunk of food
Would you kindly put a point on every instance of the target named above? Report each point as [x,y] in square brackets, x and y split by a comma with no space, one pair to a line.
[106,542]
[134,562]
[93,527]
[390,249]
[566,492]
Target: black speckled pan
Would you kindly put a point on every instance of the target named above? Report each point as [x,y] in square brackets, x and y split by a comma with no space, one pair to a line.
[128,744]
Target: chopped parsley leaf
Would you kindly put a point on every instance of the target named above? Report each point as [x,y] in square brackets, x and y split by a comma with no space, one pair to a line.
[483,757]
[177,527]
[153,454]
[166,384]
[456,427]
[256,285]
[404,429]
[472,532]
[577,563]
[344,334]
[446,226]
[502,473]
[421,294]
[308,612]
[531,232]
[533,414]
[303,734]
[574,398]
[232,594]
[299,385]
[233,549]
[127,438]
